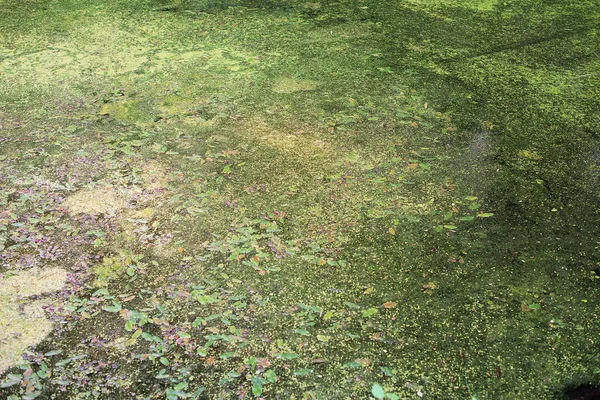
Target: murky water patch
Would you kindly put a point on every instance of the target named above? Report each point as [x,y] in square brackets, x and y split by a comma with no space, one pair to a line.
[593,167]
[481,145]
[23,323]
[473,162]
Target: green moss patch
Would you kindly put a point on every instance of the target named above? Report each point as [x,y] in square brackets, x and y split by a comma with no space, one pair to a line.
[291,85]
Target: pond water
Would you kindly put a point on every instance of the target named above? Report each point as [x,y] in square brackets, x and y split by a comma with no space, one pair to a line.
[268,199]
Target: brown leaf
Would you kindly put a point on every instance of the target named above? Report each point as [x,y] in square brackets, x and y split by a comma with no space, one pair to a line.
[429,288]
[263,362]
[390,304]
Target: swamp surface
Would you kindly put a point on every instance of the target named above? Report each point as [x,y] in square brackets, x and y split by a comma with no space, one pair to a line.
[310,200]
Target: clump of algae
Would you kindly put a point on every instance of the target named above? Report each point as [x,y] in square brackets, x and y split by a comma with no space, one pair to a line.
[24,326]
[94,201]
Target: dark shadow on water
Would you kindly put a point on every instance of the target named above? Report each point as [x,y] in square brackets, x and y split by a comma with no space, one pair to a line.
[499,68]
[584,392]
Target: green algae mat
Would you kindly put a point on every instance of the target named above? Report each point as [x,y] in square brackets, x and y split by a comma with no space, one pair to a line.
[299,200]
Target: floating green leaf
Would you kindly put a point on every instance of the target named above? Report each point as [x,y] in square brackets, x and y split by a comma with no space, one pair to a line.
[303,372]
[116,307]
[377,391]
[287,356]
[270,376]
[369,312]
[257,389]
[353,364]
[162,374]
[351,305]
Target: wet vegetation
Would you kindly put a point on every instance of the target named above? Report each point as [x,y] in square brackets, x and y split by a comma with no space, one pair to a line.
[284,199]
